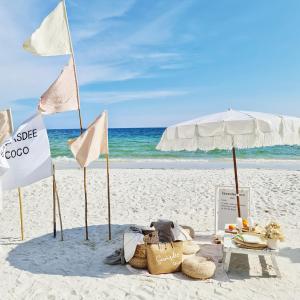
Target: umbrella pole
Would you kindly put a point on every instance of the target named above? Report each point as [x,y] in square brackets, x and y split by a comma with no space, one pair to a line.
[236,182]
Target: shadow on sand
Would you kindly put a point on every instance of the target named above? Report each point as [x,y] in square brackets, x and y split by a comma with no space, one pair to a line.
[72,257]
[292,253]
[76,257]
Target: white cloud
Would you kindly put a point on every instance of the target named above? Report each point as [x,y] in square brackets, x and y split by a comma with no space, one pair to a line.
[103,55]
[26,76]
[160,29]
[114,97]
[100,72]
[132,41]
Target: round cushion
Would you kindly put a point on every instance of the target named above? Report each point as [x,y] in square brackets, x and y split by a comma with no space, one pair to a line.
[138,263]
[189,247]
[198,267]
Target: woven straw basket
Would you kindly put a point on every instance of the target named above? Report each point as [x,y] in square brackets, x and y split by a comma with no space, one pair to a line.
[140,251]
[138,263]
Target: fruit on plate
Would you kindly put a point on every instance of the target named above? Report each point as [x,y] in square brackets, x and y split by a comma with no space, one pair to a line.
[231,227]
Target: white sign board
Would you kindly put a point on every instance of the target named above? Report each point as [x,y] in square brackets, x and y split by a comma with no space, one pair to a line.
[226,205]
[27,154]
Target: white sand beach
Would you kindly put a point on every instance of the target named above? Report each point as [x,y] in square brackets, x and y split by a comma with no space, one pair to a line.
[42,267]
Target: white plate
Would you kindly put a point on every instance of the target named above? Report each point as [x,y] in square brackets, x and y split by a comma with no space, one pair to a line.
[252,239]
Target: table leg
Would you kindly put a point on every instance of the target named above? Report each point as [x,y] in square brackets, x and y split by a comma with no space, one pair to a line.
[275,266]
[227,256]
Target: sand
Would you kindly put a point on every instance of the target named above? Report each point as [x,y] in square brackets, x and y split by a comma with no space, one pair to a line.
[42,267]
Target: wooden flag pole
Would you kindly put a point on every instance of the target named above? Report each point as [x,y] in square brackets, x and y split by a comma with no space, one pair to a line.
[59,214]
[58,204]
[21,213]
[108,197]
[80,123]
[107,174]
[85,205]
[19,189]
[54,201]
[74,67]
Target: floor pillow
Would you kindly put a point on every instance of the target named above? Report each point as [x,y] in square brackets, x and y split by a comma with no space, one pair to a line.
[198,267]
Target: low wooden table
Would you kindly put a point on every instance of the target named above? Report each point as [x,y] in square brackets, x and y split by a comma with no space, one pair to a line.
[230,247]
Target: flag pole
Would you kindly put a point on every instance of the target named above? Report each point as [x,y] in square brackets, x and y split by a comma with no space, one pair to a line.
[54,201]
[80,121]
[58,204]
[21,213]
[19,189]
[108,183]
[108,197]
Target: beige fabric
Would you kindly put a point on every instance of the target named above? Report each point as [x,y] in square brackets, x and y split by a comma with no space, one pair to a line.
[164,257]
[52,37]
[93,142]
[5,132]
[62,94]
[5,125]
[189,230]
[190,247]
[198,267]
[180,234]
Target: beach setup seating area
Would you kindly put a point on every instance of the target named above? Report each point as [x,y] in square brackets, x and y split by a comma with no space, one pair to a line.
[163,248]
[231,130]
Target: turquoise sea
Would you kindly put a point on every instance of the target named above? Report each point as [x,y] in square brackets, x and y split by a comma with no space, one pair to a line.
[140,143]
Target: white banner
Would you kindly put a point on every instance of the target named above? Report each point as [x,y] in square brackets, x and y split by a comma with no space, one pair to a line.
[226,205]
[27,153]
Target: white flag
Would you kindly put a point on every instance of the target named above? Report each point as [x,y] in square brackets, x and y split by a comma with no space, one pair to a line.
[93,142]
[27,153]
[5,132]
[61,95]
[52,37]
[5,125]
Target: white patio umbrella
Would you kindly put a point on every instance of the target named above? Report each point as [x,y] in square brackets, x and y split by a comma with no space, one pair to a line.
[230,130]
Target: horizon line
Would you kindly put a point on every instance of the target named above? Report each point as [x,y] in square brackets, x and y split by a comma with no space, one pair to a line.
[159,127]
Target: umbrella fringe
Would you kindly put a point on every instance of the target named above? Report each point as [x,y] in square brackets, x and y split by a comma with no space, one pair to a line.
[224,142]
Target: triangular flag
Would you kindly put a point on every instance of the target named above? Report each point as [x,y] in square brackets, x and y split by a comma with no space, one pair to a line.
[5,132]
[93,142]
[5,125]
[62,94]
[52,37]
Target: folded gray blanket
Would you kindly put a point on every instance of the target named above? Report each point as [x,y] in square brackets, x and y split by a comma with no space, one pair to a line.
[117,258]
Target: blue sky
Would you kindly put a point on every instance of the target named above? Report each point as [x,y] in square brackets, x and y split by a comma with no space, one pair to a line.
[155,63]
